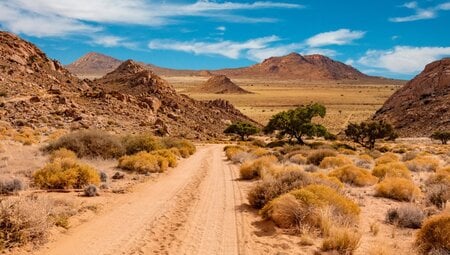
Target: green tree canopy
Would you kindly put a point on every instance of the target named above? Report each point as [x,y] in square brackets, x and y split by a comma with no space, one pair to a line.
[366,133]
[296,123]
[443,136]
[244,130]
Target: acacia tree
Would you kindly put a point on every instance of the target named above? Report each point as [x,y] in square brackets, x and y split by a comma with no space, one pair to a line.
[244,130]
[366,133]
[296,123]
[443,136]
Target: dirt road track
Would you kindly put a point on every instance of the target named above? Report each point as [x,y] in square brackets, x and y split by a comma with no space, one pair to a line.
[194,209]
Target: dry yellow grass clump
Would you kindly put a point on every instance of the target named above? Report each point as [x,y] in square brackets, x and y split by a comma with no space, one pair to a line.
[62,153]
[65,173]
[423,164]
[397,188]
[343,240]
[259,152]
[434,236]
[387,158]
[144,162]
[26,136]
[232,150]
[255,168]
[392,169]
[169,154]
[315,157]
[354,175]
[298,159]
[333,162]
[303,206]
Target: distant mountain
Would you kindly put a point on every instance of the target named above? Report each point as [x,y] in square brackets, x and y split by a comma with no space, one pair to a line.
[421,106]
[220,84]
[289,67]
[296,66]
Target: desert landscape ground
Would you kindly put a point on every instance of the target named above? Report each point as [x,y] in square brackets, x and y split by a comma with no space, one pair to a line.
[137,162]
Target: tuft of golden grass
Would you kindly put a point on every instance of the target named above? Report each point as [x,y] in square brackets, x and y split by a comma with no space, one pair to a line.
[343,240]
[298,159]
[434,235]
[144,162]
[315,157]
[65,173]
[423,164]
[354,175]
[387,157]
[397,188]
[62,153]
[254,168]
[333,162]
[392,169]
[232,150]
[26,136]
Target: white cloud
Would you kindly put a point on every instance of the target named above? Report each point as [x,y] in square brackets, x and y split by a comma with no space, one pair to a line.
[229,49]
[221,28]
[112,41]
[56,17]
[403,59]
[421,13]
[338,37]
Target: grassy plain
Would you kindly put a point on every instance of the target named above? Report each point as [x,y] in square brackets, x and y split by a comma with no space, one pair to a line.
[345,102]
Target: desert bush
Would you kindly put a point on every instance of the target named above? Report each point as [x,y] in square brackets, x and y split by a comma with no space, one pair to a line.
[23,220]
[438,195]
[333,162]
[330,181]
[26,136]
[316,157]
[259,152]
[10,185]
[434,235]
[242,129]
[354,175]
[264,192]
[397,188]
[343,240]
[241,157]
[392,169]
[440,177]
[254,168]
[65,173]
[410,155]
[443,136]
[141,142]
[301,206]
[185,147]
[298,159]
[367,133]
[103,177]
[90,191]
[406,216]
[388,157]
[62,153]
[422,164]
[143,163]
[233,150]
[259,143]
[364,161]
[89,143]
[169,154]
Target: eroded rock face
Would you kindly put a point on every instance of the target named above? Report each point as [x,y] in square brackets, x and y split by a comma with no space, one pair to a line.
[41,93]
[422,106]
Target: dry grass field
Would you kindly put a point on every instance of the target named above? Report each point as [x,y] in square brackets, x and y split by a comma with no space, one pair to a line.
[345,102]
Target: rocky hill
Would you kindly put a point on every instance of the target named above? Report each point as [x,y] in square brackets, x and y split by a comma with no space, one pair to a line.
[220,84]
[296,66]
[40,93]
[423,104]
[93,64]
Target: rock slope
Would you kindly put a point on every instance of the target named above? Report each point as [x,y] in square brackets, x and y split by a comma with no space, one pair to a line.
[220,84]
[38,92]
[421,106]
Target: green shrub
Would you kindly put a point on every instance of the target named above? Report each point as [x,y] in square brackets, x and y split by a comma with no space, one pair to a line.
[89,143]
[64,174]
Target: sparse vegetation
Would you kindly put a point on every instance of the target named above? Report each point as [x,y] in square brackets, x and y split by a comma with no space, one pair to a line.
[406,216]
[333,162]
[242,129]
[316,156]
[65,173]
[343,240]
[423,164]
[254,168]
[10,185]
[392,169]
[366,133]
[397,188]
[442,136]
[434,236]
[144,162]
[354,175]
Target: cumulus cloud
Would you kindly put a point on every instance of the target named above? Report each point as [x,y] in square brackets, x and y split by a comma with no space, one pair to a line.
[403,59]
[58,18]
[421,13]
[112,41]
[338,37]
[229,49]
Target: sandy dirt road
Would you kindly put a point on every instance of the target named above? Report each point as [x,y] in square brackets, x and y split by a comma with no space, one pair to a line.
[194,209]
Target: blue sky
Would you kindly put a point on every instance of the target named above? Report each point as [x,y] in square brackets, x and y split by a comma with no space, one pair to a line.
[389,38]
